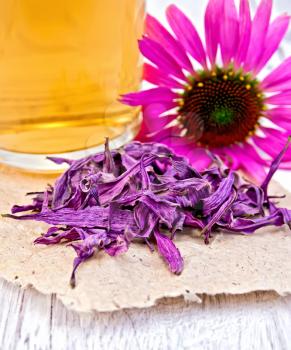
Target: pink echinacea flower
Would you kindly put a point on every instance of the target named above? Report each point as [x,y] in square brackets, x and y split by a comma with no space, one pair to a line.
[210,96]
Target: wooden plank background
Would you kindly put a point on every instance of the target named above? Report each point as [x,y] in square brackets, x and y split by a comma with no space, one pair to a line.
[261,321]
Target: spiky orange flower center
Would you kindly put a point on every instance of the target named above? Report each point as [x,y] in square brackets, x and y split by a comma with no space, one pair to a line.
[221,107]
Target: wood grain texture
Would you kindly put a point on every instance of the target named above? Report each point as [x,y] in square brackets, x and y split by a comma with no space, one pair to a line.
[260,321]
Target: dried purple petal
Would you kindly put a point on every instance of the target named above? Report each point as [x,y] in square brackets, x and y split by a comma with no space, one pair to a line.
[252,195]
[189,192]
[182,169]
[21,208]
[89,217]
[164,210]
[67,191]
[178,222]
[59,160]
[241,209]
[118,246]
[224,207]
[120,219]
[244,225]
[108,163]
[51,237]
[169,252]
[218,197]
[145,180]
[110,199]
[193,222]
[86,248]
[274,166]
[145,219]
[286,213]
[109,191]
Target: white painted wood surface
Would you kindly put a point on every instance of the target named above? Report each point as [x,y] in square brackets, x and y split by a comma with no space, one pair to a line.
[259,321]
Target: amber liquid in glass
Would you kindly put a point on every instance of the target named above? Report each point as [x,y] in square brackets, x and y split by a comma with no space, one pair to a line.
[63,64]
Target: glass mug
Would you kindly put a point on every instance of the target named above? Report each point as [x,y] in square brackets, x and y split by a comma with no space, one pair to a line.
[63,65]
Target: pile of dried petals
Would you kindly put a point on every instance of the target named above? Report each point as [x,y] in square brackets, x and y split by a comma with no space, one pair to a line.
[145,191]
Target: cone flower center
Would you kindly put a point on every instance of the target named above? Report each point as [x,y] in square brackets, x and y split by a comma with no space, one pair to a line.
[221,107]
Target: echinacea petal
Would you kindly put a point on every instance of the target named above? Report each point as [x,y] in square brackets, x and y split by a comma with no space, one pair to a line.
[55,235]
[164,209]
[245,28]
[80,218]
[258,36]
[251,163]
[279,75]
[169,252]
[228,155]
[280,86]
[273,142]
[172,139]
[217,215]
[157,32]
[255,171]
[279,113]
[156,76]
[160,57]
[274,167]
[222,193]
[283,99]
[229,31]
[247,226]
[212,27]
[197,156]
[144,132]
[117,247]
[149,132]
[186,33]
[277,138]
[277,31]
[159,95]
[244,156]
[108,162]
[285,166]
[282,121]
[110,190]
[153,120]
[166,135]
[264,144]
[251,152]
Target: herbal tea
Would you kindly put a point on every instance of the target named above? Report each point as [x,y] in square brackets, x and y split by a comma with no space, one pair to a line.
[63,65]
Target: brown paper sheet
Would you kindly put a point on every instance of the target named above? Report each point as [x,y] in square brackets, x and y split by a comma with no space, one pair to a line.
[230,264]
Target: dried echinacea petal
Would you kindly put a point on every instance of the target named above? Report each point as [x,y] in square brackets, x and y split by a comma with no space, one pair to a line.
[169,252]
[145,192]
